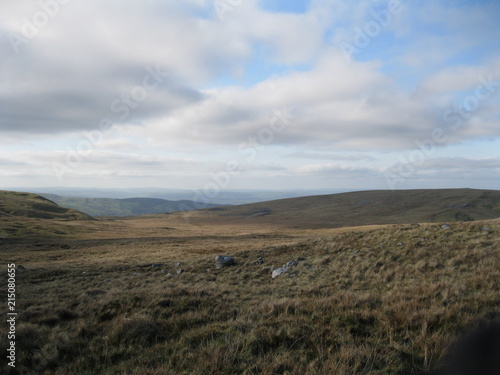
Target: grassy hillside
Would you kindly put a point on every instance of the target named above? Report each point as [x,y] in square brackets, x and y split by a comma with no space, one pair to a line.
[367,208]
[25,215]
[15,204]
[125,207]
[383,300]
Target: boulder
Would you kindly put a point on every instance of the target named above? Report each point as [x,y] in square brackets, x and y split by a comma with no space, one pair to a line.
[222,261]
[279,271]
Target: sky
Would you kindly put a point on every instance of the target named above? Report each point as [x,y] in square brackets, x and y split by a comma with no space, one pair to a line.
[250,94]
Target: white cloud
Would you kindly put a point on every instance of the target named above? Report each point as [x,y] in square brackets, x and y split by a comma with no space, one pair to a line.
[225,78]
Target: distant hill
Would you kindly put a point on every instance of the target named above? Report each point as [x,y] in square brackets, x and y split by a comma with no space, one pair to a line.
[365,208]
[127,206]
[27,205]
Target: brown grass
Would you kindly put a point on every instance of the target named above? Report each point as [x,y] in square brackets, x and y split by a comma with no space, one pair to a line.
[368,300]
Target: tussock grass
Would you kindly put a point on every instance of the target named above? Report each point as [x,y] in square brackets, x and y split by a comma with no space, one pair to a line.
[384,300]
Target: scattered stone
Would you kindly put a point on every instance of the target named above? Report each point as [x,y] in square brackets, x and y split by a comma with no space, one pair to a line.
[290,264]
[486,229]
[136,274]
[445,226]
[108,280]
[260,261]
[179,271]
[279,271]
[223,261]
[401,243]
[169,275]
[157,265]
[178,264]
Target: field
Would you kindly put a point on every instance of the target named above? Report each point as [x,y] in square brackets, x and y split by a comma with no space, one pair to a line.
[380,299]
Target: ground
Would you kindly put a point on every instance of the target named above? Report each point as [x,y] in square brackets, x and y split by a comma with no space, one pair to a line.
[364,300]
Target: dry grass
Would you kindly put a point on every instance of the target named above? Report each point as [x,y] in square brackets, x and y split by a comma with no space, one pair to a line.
[371,300]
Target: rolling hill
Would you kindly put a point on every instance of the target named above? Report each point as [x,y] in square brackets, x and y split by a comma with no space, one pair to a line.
[26,215]
[125,207]
[16,204]
[366,208]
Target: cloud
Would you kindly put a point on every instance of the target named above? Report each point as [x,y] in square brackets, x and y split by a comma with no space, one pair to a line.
[221,81]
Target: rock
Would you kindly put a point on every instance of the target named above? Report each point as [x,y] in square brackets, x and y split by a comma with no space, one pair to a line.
[290,264]
[157,265]
[238,270]
[486,229]
[178,264]
[260,261]
[401,243]
[169,275]
[136,274]
[445,226]
[278,271]
[223,261]
[179,271]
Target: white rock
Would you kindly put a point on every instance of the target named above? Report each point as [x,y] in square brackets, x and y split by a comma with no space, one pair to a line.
[279,271]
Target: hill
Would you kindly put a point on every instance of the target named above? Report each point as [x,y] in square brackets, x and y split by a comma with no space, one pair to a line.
[127,206]
[365,208]
[16,204]
[26,215]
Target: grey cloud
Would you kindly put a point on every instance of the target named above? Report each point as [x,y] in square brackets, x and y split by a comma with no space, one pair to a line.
[326,156]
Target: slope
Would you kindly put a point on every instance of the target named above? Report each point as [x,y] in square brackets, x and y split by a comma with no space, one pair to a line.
[365,208]
[26,215]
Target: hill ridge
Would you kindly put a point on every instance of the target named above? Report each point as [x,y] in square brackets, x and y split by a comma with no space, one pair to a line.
[369,207]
